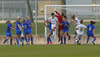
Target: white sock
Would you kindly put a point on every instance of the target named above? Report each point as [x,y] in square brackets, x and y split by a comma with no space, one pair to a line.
[79,41]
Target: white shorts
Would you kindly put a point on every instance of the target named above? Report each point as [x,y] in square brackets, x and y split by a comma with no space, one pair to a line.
[78,36]
[53,25]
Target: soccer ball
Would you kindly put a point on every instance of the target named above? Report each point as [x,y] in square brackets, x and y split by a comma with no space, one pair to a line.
[41,10]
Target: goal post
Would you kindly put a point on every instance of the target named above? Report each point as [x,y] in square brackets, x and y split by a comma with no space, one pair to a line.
[53,6]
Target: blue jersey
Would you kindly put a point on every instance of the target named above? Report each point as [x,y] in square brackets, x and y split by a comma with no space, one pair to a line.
[29,22]
[65,27]
[49,25]
[8,27]
[26,26]
[90,28]
[17,28]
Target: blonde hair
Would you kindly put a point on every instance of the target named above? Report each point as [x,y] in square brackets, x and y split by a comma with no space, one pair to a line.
[18,19]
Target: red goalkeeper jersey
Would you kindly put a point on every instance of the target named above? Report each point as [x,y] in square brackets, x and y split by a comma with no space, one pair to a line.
[59,17]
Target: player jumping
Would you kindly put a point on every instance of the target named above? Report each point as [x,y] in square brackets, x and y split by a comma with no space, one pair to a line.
[8,33]
[76,22]
[65,29]
[26,30]
[30,30]
[80,31]
[91,32]
[50,32]
[60,27]
[18,31]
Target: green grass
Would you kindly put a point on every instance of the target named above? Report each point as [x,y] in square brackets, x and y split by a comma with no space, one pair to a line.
[41,29]
[50,51]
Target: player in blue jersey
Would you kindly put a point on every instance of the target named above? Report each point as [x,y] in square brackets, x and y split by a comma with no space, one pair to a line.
[91,32]
[21,38]
[26,27]
[18,30]
[30,31]
[8,33]
[50,32]
[65,29]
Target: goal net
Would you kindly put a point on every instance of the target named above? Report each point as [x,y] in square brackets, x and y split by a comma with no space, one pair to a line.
[85,12]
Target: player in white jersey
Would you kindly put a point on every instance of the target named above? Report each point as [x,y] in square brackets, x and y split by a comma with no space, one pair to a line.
[75,21]
[80,31]
[53,21]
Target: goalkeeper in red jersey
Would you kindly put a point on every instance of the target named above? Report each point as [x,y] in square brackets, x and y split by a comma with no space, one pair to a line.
[60,27]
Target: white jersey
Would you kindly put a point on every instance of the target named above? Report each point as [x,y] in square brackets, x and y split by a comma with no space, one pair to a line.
[80,29]
[53,20]
[77,21]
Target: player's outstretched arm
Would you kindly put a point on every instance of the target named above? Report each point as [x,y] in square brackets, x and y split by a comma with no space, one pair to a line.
[32,25]
[12,28]
[45,23]
[57,13]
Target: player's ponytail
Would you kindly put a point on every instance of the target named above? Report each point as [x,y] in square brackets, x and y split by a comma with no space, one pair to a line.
[24,20]
[7,22]
[18,19]
[65,16]
[62,14]
[73,16]
[92,22]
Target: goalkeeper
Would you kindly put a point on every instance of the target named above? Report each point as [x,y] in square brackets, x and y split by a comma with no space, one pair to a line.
[60,27]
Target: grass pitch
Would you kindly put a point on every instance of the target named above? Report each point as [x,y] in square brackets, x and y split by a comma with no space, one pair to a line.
[41,28]
[50,51]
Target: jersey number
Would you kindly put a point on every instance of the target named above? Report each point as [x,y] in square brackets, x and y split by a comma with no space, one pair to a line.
[89,28]
[25,27]
[81,28]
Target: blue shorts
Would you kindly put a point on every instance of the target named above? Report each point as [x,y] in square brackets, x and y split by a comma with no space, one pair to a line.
[26,32]
[50,31]
[90,34]
[30,31]
[18,32]
[65,30]
[8,34]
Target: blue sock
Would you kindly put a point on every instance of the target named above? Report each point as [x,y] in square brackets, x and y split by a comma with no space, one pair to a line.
[87,40]
[20,39]
[64,39]
[61,40]
[28,40]
[31,40]
[94,39]
[10,41]
[17,41]
[49,39]
[25,39]
[4,41]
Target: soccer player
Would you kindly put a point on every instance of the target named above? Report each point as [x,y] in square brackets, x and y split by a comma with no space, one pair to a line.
[26,30]
[76,22]
[54,22]
[18,31]
[8,33]
[60,27]
[91,32]
[21,38]
[50,32]
[29,22]
[80,31]
[65,29]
